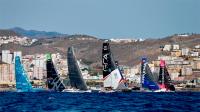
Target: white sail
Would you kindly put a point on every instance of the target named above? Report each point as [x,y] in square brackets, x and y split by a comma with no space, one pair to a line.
[114,80]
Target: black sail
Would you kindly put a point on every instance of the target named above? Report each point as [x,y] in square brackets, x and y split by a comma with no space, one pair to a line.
[164,77]
[75,75]
[53,78]
[168,81]
[107,60]
[161,76]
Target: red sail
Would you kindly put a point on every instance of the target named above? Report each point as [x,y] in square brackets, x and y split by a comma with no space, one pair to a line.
[164,80]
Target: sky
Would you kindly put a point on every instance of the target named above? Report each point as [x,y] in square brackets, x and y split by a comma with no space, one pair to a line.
[104,18]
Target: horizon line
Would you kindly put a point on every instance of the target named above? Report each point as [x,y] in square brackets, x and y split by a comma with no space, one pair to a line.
[119,37]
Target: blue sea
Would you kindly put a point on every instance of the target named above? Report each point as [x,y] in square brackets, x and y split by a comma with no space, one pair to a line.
[97,102]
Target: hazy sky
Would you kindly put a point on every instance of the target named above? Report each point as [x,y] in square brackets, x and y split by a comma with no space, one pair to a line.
[103,18]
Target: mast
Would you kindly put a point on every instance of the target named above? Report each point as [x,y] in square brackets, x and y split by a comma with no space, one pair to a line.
[161,79]
[143,64]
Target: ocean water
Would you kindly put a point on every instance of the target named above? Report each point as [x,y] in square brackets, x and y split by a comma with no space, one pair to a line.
[97,102]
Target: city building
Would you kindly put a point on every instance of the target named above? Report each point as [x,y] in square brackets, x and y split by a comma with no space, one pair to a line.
[175,47]
[185,51]
[7,73]
[167,47]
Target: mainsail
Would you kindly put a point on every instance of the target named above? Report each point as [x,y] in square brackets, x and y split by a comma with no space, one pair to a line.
[22,82]
[164,79]
[107,60]
[53,80]
[75,75]
[112,76]
[147,79]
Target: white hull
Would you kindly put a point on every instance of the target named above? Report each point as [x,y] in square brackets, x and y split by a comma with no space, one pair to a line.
[161,90]
[76,91]
[104,91]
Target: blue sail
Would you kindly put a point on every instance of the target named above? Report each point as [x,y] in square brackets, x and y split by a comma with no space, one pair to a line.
[147,78]
[22,82]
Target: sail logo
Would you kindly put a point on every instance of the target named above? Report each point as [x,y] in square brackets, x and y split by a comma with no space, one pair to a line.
[143,72]
[105,62]
[105,56]
[105,47]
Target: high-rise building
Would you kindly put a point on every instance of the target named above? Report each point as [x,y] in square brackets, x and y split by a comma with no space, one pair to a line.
[7,73]
[7,56]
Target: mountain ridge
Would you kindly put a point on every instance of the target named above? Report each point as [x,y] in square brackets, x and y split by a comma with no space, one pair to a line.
[36,33]
[4,32]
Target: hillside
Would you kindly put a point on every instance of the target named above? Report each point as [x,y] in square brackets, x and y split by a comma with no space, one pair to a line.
[8,33]
[36,34]
[89,50]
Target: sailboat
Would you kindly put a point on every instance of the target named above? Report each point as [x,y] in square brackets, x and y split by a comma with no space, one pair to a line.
[112,76]
[22,81]
[75,76]
[53,78]
[164,80]
[148,82]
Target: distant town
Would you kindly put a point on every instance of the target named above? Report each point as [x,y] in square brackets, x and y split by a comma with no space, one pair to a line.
[183,64]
